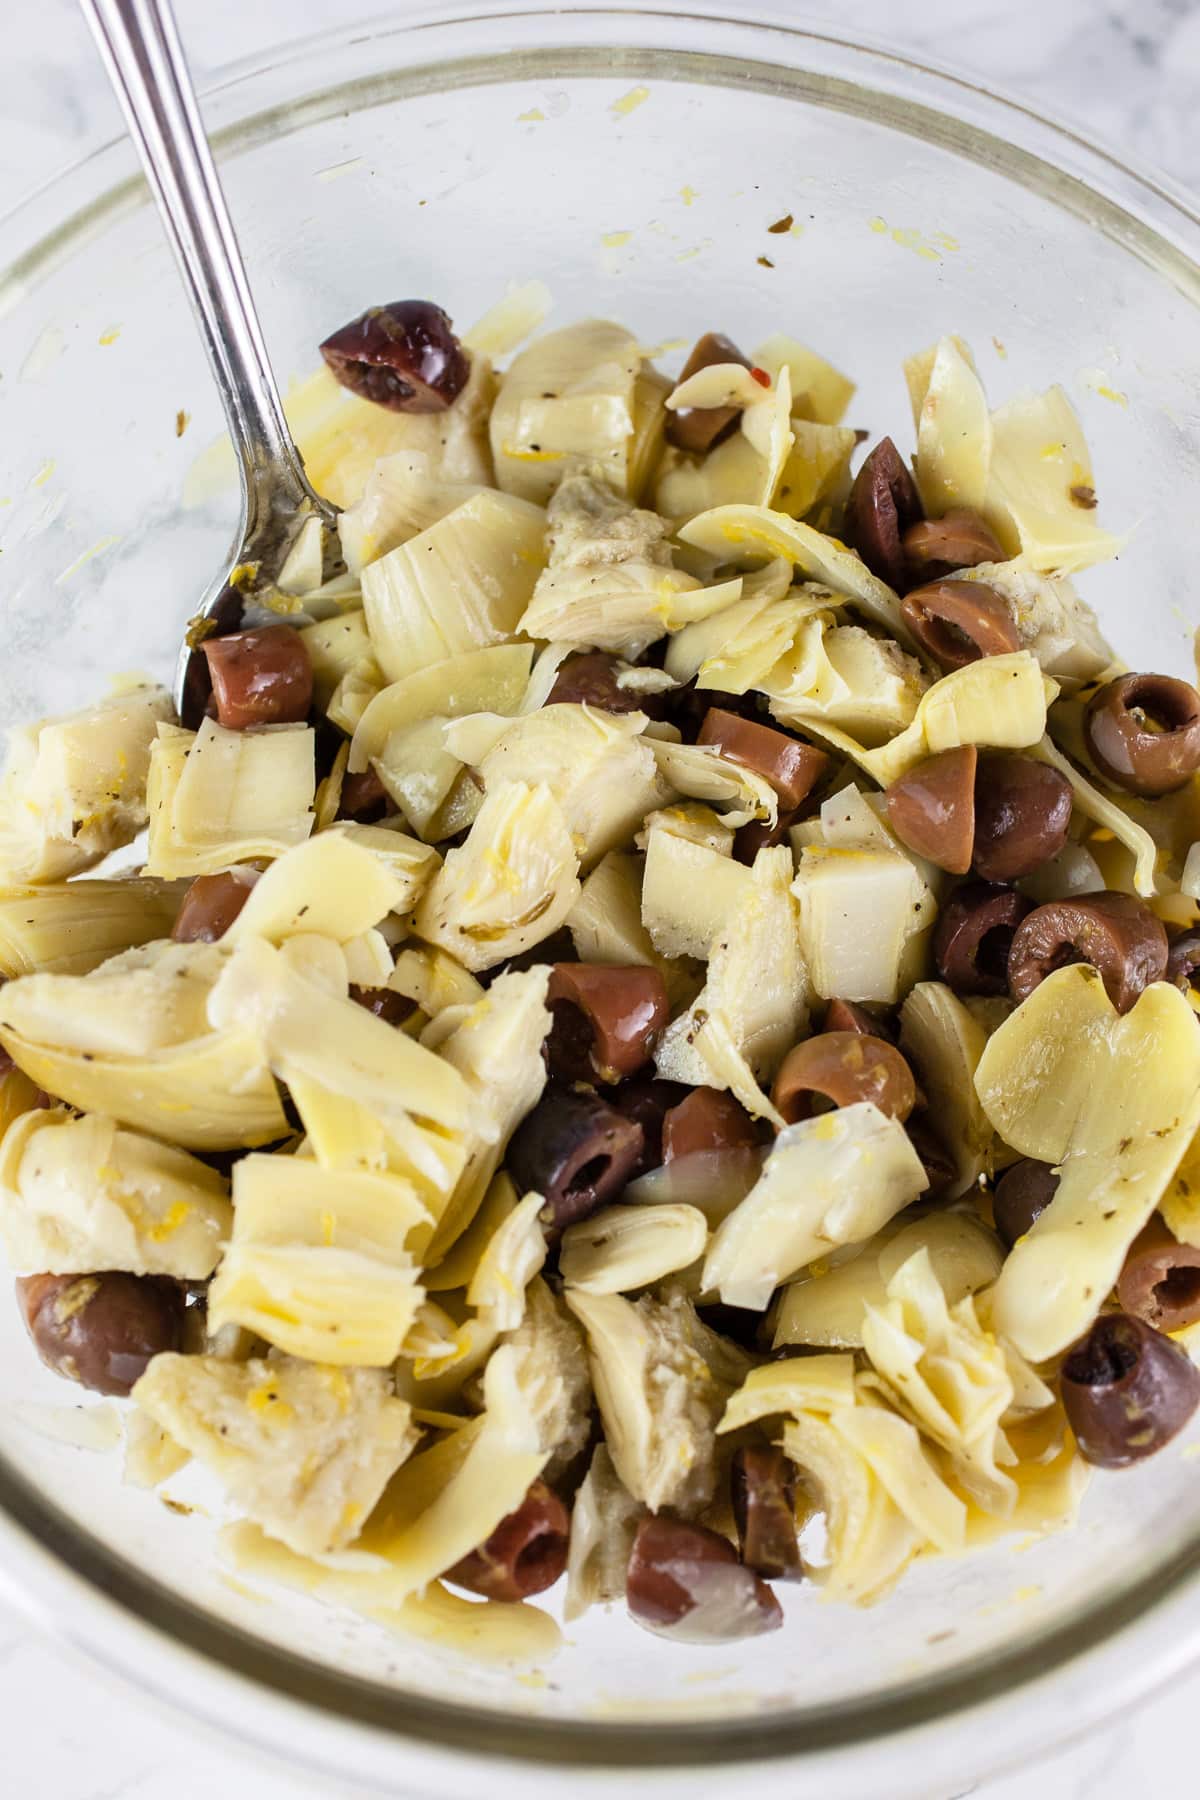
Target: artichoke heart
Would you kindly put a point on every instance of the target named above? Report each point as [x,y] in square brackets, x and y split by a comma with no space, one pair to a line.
[219,797]
[569,399]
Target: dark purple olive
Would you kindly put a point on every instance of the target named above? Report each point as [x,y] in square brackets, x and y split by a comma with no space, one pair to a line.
[1143,732]
[707,1120]
[960,539]
[763,1484]
[101,1330]
[792,767]
[575,1150]
[698,428]
[210,906]
[403,355]
[385,1003]
[1183,959]
[1160,1282]
[1022,1195]
[931,808]
[525,1554]
[848,1015]
[260,677]
[686,1582]
[883,503]
[1022,814]
[646,1101]
[973,935]
[622,1009]
[957,622]
[364,799]
[589,678]
[843,1068]
[758,835]
[1127,1391]
[1114,932]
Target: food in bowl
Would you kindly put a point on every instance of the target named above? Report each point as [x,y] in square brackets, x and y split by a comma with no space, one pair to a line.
[653,1037]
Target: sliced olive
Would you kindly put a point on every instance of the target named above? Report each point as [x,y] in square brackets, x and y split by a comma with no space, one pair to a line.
[1022,1195]
[843,1068]
[1022,814]
[758,835]
[1127,1390]
[646,1101]
[707,1120]
[624,1010]
[576,1151]
[697,428]
[763,1483]
[402,355]
[1160,1282]
[957,622]
[589,678]
[1116,933]
[1143,732]
[791,767]
[883,503]
[101,1330]
[210,906]
[686,1582]
[960,539]
[260,677]
[525,1554]
[973,935]
[931,808]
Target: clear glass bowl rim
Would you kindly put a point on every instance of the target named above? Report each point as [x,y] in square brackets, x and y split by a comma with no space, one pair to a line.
[1139,207]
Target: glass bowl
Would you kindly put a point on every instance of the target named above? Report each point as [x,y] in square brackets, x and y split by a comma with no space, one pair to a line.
[635,161]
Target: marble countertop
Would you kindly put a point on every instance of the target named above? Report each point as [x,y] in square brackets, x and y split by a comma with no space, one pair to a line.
[1127,70]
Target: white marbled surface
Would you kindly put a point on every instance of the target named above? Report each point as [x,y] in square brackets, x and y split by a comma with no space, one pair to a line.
[1128,71]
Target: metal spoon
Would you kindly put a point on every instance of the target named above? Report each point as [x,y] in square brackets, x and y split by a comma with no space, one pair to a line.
[139,42]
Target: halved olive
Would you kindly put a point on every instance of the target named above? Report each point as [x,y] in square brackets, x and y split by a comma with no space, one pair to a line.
[1127,1391]
[1116,933]
[1143,732]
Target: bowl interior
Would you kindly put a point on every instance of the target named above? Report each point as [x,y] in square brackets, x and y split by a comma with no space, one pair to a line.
[641,185]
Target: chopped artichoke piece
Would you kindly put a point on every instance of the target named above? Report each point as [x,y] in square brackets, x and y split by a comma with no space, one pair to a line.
[748,636]
[826,1306]
[513,1255]
[319,1264]
[819,391]
[661,1393]
[842,676]
[459,586]
[132,1040]
[74,788]
[433,980]
[1041,491]
[221,797]
[1114,1102]
[1052,622]
[702,773]
[622,1248]
[82,1194]
[869,1540]
[509,886]
[999,701]
[604,1521]
[954,428]
[335,886]
[753,1005]
[490,680]
[552,1372]
[862,910]
[744,469]
[817,467]
[401,499]
[892,1449]
[798,1385]
[606,925]
[336,648]
[832,1180]
[689,893]
[565,402]
[68,928]
[736,533]
[304,1451]
[944,1043]
[353,694]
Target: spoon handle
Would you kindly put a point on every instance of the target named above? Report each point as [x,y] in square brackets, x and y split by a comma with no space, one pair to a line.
[139,42]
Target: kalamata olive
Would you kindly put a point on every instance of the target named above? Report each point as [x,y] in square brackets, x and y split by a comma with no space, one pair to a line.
[211,904]
[960,539]
[688,706]
[792,768]
[525,1554]
[364,798]
[758,835]
[1022,814]
[1022,1195]
[576,1151]
[624,1008]
[101,1330]
[957,622]
[972,937]
[707,1120]
[931,808]
[1127,1390]
[1160,1281]
[697,428]
[882,504]
[385,1003]
[1183,959]
[260,677]
[940,1166]
[843,1067]
[589,678]
[402,355]
[848,1015]
[646,1101]
[1143,732]
[1116,933]
[686,1582]
[763,1485]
